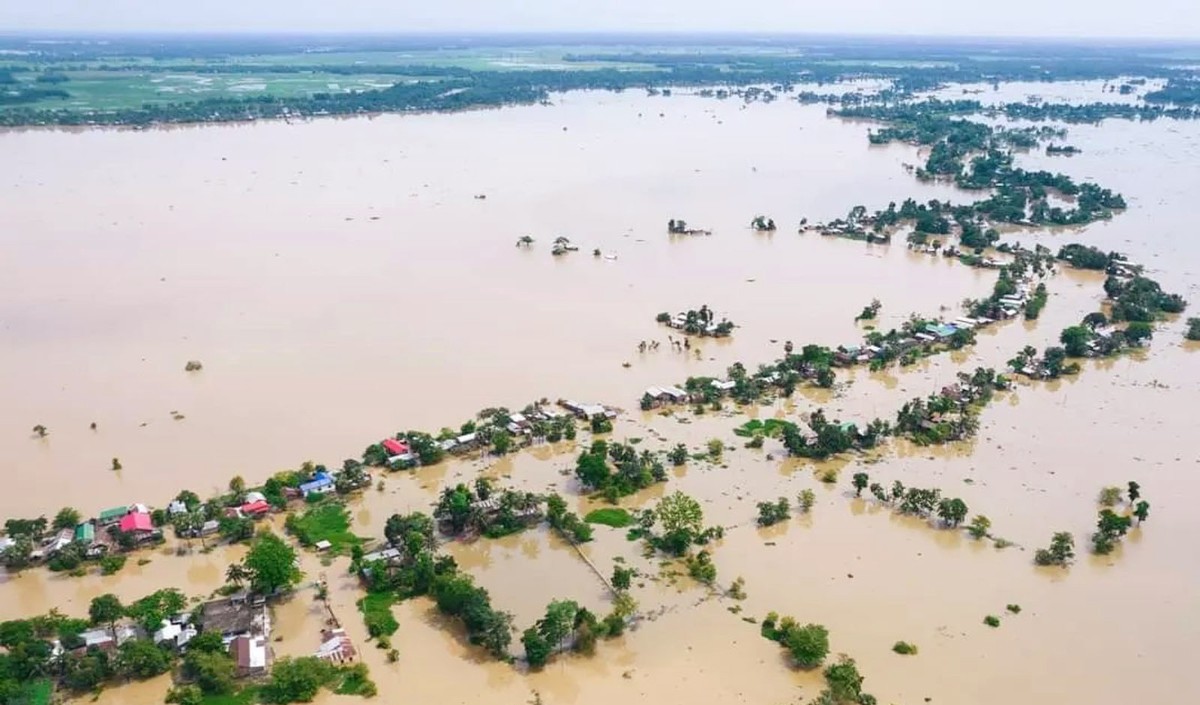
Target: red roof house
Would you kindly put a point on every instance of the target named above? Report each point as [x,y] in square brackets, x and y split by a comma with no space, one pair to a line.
[395,447]
[136,522]
[256,508]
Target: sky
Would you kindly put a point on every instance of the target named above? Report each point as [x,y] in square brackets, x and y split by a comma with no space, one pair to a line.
[1168,19]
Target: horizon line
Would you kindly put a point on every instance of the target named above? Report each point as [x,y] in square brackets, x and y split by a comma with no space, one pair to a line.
[583,33]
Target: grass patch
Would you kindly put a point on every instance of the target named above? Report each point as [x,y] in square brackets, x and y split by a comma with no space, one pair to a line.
[327,521]
[770,428]
[904,648]
[376,609]
[615,517]
[245,696]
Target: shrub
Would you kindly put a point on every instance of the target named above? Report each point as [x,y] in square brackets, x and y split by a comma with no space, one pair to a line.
[991,620]
[904,648]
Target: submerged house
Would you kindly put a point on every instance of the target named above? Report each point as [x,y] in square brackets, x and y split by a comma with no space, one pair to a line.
[395,447]
[336,646]
[139,524]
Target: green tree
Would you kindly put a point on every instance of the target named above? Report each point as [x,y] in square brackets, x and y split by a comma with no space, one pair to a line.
[845,682]
[18,555]
[1141,511]
[1075,340]
[979,526]
[1139,331]
[681,519]
[213,671]
[272,564]
[861,481]
[952,511]
[537,649]
[622,578]
[1135,492]
[151,610]
[1060,553]
[809,645]
[236,574]
[67,518]
[141,659]
[678,455]
[297,679]
[106,609]
[806,499]
[558,622]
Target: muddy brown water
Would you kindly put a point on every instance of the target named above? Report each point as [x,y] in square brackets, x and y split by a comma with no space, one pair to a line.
[127,254]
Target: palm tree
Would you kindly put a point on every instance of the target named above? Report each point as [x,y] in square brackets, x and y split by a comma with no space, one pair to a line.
[237,574]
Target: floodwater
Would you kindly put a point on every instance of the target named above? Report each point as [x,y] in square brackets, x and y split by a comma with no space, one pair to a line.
[318,334]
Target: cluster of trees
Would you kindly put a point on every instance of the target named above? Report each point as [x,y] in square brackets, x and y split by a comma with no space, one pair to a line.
[457,595]
[630,471]
[566,523]
[826,438]
[951,511]
[808,644]
[1060,553]
[763,224]
[945,417]
[870,311]
[27,654]
[567,626]
[1110,526]
[680,523]
[491,431]
[460,510]
[771,513]
[1140,299]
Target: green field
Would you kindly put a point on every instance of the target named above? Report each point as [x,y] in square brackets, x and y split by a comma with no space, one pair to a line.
[117,83]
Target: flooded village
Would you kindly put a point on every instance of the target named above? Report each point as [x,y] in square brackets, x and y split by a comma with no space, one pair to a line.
[448,467]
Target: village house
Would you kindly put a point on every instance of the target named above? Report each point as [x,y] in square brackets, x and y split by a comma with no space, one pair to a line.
[321,483]
[139,525]
[250,655]
[102,637]
[176,507]
[256,509]
[176,631]
[237,615]
[723,385]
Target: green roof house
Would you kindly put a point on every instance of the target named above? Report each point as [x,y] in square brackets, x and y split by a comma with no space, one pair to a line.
[85,533]
[112,516]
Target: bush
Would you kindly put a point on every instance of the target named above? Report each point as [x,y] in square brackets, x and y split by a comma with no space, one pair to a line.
[991,620]
[904,648]
[111,564]
[1015,609]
